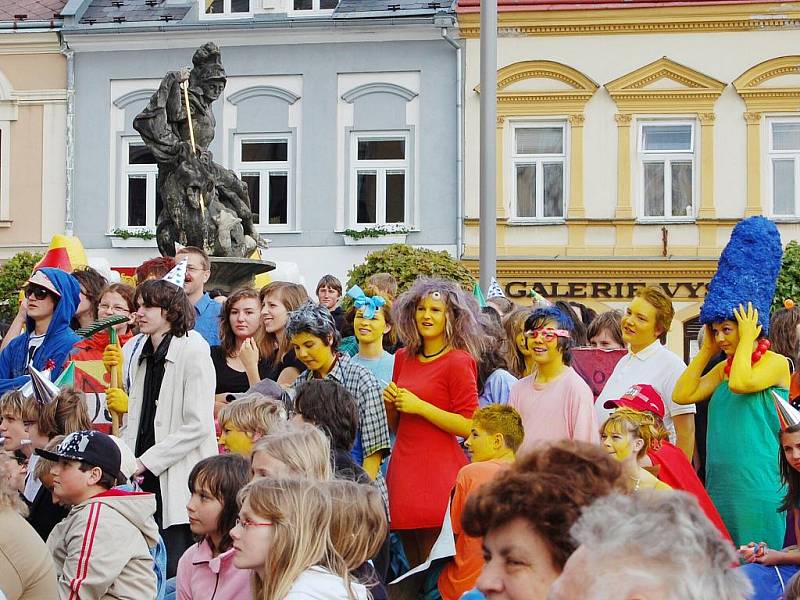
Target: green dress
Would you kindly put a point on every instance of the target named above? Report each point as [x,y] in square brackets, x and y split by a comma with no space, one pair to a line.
[743,465]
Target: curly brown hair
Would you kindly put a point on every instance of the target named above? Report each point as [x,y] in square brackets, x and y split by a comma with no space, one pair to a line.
[172,300]
[548,488]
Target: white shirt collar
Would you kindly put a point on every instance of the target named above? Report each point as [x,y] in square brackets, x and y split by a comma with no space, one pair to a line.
[648,351]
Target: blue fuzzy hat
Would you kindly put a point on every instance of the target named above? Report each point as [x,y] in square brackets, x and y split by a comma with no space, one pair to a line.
[747,272]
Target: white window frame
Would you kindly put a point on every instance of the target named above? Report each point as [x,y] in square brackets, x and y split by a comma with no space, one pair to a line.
[667,157]
[381,167]
[265,169]
[314,10]
[538,160]
[773,154]
[226,11]
[151,175]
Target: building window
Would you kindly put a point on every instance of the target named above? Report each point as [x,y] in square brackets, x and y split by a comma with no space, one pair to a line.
[784,164]
[264,162]
[379,176]
[140,199]
[539,163]
[667,169]
[315,5]
[227,7]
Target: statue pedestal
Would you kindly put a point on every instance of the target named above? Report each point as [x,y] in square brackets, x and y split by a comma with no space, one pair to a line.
[229,273]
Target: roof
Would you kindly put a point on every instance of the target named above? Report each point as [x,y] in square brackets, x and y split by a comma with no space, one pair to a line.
[472,6]
[360,7]
[34,10]
[123,11]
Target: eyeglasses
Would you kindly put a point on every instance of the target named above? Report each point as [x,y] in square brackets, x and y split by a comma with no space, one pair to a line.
[245,524]
[548,333]
[36,291]
[114,309]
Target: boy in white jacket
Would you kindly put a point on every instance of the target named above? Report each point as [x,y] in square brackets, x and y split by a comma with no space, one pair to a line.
[101,549]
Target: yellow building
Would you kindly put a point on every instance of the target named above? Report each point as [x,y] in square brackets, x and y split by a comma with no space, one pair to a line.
[631,138]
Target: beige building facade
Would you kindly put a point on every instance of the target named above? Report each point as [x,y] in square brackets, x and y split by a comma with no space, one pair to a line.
[630,142]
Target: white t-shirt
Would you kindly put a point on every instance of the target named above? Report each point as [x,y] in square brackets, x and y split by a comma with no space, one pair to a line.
[656,366]
[317,583]
[34,341]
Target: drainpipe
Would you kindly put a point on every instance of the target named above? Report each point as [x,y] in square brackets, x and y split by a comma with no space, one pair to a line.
[70,156]
[460,141]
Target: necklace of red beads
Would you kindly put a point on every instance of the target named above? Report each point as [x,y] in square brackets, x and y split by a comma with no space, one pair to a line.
[761,349]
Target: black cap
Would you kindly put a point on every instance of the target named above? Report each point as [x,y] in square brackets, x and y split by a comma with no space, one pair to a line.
[90,447]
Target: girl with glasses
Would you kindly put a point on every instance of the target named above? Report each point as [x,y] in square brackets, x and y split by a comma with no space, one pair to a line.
[115,299]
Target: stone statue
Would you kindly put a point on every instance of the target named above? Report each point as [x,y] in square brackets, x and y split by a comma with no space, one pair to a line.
[205,204]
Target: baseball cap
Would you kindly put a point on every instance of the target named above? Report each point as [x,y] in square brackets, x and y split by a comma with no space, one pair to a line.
[642,397]
[90,447]
[39,278]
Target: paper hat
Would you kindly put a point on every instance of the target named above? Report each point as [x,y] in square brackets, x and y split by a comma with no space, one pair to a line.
[67,377]
[788,415]
[57,258]
[478,293]
[494,291]
[747,272]
[178,273]
[42,388]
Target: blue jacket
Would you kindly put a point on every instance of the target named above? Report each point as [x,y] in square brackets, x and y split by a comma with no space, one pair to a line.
[58,341]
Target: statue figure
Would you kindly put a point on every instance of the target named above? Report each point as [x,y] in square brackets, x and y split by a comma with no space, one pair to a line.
[205,204]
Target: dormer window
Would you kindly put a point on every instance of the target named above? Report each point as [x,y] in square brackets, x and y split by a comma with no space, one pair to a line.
[227,7]
[314,5]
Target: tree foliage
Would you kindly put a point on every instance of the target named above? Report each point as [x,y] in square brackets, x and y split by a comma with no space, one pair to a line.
[789,277]
[13,275]
[407,263]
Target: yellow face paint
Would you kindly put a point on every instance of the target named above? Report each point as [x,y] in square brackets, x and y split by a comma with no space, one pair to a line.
[639,324]
[369,330]
[480,444]
[619,444]
[431,318]
[312,351]
[521,342]
[544,351]
[235,441]
[726,334]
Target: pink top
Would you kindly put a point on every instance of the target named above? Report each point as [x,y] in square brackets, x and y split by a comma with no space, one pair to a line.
[203,577]
[560,409]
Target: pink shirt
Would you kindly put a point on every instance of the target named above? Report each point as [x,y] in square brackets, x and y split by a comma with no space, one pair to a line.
[201,577]
[560,409]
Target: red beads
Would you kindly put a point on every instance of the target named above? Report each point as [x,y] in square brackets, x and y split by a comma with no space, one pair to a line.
[761,349]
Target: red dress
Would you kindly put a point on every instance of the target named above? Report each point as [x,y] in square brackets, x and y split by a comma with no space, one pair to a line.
[425,459]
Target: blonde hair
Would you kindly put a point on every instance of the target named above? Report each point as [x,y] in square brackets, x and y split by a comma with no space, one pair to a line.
[253,413]
[292,296]
[303,448]
[66,413]
[15,404]
[514,324]
[359,524]
[10,498]
[644,425]
[300,512]
[43,465]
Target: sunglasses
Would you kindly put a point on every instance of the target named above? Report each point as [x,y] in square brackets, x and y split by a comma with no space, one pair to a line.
[36,291]
[548,334]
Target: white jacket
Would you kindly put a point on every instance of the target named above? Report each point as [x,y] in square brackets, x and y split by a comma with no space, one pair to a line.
[317,583]
[184,420]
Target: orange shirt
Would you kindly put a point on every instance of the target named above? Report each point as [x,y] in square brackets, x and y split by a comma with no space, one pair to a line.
[460,574]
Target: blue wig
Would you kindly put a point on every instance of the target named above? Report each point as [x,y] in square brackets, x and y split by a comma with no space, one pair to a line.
[540,316]
[747,272]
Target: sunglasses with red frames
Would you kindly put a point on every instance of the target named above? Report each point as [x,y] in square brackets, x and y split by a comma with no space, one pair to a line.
[548,333]
[36,291]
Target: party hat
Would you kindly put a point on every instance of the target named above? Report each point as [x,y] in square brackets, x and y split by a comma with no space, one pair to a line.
[57,258]
[43,389]
[178,273]
[538,298]
[478,293]
[67,377]
[788,415]
[494,291]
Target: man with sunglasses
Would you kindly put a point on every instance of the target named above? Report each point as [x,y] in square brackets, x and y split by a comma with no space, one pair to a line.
[555,402]
[51,296]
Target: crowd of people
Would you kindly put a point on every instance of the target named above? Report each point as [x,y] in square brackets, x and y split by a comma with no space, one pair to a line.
[276,446]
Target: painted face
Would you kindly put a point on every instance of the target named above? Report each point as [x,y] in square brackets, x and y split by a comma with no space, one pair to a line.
[196,273]
[112,303]
[726,334]
[204,512]
[604,340]
[151,319]
[639,324]
[14,430]
[69,482]
[252,539]
[312,351]
[370,330]
[518,563]
[40,309]
[328,297]
[431,317]
[245,317]
[543,346]
[790,443]
[273,314]
[480,444]
[235,441]
[521,342]
[265,465]
[620,445]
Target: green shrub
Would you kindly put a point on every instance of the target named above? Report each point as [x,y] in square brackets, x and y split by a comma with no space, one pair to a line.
[789,277]
[13,275]
[407,263]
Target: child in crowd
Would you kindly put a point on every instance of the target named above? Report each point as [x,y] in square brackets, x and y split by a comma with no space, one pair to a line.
[494,380]
[329,292]
[627,436]
[518,356]
[206,570]
[555,403]
[372,324]
[300,450]
[283,534]
[495,436]
[278,299]
[102,548]
[605,331]
[379,284]
[92,285]
[247,419]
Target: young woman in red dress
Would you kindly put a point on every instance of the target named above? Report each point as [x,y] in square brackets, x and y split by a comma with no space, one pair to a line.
[430,401]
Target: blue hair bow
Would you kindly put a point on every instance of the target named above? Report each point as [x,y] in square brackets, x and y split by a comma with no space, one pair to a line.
[370,304]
